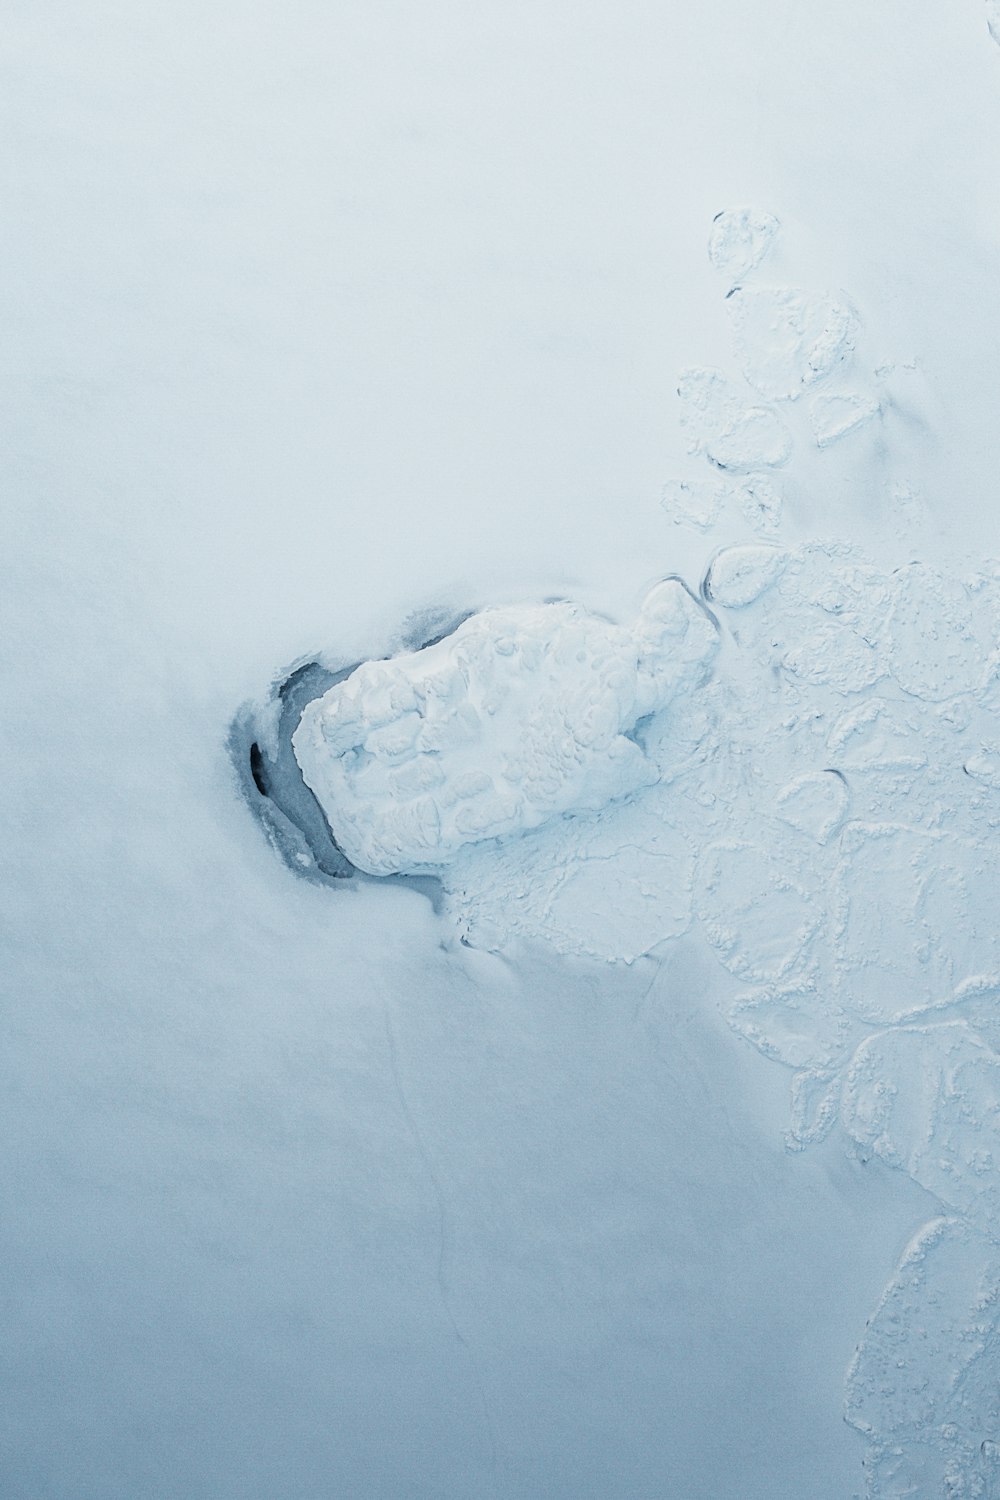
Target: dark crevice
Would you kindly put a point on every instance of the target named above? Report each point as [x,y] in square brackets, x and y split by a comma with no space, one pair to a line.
[257,769]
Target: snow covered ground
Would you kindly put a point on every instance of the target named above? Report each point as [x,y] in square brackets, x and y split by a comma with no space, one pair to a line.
[630,1118]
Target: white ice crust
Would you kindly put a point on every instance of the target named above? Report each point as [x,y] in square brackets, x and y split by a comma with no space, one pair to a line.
[518,716]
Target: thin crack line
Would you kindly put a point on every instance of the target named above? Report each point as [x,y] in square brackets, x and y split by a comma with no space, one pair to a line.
[442,1258]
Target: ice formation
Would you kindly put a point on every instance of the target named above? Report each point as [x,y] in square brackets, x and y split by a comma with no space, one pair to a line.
[739,241]
[703,503]
[822,811]
[731,431]
[834,416]
[518,716]
[787,340]
[923,1386]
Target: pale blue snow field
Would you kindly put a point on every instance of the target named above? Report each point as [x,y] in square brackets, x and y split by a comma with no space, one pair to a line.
[561,1060]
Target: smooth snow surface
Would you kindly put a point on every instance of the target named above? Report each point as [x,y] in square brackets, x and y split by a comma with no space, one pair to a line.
[596,407]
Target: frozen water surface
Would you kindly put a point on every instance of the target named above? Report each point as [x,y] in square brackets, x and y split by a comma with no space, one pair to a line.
[598,1096]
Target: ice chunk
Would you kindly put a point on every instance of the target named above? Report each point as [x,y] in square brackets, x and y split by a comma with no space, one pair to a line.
[701,503]
[926,1099]
[787,340]
[837,656]
[761,505]
[740,239]
[739,575]
[833,416]
[521,714]
[815,803]
[760,920]
[935,650]
[731,433]
[905,920]
[694,502]
[984,766]
[797,1027]
[872,737]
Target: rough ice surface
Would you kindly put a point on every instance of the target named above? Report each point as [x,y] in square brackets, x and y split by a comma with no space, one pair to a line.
[993,18]
[518,716]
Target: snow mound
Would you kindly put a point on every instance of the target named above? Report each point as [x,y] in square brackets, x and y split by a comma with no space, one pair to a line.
[520,715]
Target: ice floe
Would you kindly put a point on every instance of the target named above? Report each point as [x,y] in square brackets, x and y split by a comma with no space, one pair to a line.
[739,241]
[739,575]
[519,716]
[836,414]
[923,1385]
[701,504]
[733,433]
[786,339]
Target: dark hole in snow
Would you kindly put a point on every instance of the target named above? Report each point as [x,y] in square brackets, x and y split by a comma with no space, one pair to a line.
[257,769]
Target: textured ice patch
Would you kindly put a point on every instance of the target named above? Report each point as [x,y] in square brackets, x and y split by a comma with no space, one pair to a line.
[984,766]
[875,737]
[739,575]
[815,804]
[935,645]
[518,716]
[731,433]
[759,917]
[796,1027]
[837,656]
[611,885]
[739,241]
[914,918]
[926,1099]
[923,1385]
[703,503]
[787,340]
[993,18]
[803,1030]
[833,416]
[761,504]
[694,502]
